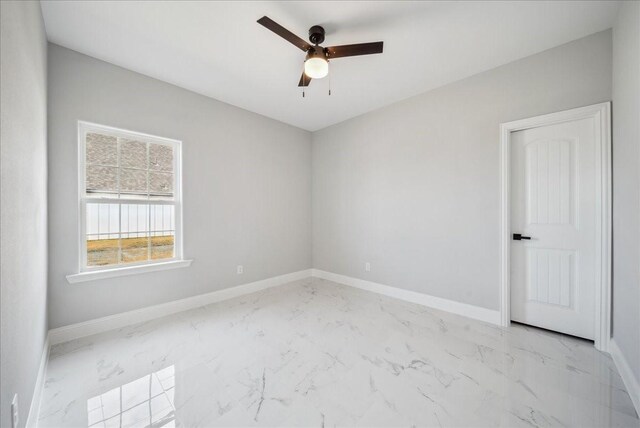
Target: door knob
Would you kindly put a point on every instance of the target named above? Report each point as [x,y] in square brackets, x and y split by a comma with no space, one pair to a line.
[519,237]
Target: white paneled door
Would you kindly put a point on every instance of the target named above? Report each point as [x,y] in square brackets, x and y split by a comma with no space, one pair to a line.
[553,225]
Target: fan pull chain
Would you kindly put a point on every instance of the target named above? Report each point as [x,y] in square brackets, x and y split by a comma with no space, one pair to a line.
[329,84]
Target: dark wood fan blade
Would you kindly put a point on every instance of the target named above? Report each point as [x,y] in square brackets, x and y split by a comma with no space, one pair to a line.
[284,33]
[304,80]
[354,50]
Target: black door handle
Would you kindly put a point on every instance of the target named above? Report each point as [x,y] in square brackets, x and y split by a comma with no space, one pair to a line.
[518,237]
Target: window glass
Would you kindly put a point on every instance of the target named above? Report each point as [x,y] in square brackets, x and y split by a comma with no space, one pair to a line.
[160,184]
[102,179]
[102,222]
[133,154]
[162,231]
[102,150]
[133,181]
[128,228]
[160,157]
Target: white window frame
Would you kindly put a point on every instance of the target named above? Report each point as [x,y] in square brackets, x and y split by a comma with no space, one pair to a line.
[99,272]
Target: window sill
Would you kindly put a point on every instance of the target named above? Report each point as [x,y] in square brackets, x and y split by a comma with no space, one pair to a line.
[125,271]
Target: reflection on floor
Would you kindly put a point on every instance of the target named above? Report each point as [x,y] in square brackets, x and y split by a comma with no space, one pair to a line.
[146,401]
[316,353]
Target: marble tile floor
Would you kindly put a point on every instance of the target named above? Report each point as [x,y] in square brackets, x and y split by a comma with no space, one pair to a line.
[317,353]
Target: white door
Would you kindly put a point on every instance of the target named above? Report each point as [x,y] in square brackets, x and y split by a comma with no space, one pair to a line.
[553,202]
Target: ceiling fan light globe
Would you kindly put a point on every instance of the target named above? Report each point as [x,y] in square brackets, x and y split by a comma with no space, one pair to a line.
[316,68]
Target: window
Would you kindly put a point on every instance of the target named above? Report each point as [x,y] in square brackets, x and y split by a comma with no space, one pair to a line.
[130,205]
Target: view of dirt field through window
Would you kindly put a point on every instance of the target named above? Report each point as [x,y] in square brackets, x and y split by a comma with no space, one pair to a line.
[105,251]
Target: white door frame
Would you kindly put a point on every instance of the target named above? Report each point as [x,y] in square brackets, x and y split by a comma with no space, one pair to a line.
[602,115]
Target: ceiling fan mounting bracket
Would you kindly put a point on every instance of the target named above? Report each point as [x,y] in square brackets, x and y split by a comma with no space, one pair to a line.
[316,34]
[317,51]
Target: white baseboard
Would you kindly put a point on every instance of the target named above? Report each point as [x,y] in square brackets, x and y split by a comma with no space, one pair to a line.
[630,381]
[34,408]
[466,310]
[87,328]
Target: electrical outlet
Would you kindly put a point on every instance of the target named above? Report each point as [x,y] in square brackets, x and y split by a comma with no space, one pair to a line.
[240,270]
[367,267]
[14,412]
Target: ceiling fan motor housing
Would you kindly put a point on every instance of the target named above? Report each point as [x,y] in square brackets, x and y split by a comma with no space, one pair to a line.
[317,52]
[316,34]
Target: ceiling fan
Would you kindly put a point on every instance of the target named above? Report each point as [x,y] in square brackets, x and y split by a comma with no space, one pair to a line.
[316,63]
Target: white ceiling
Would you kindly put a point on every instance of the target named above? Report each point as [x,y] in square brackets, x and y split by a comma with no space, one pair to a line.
[217,48]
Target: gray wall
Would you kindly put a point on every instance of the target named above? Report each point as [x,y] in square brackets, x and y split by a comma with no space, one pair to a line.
[626,183]
[23,202]
[414,188]
[246,187]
